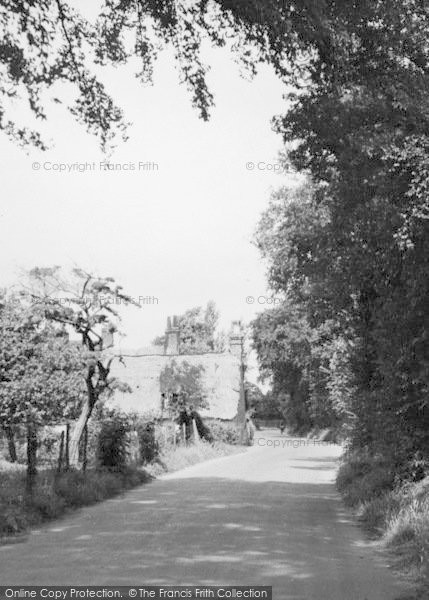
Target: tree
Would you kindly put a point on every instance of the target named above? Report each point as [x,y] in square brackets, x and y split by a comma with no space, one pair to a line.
[265,406]
[305,345]
[282,341]
[183,385]
[41,375]
[87,305]
[198,331]
[50,42]
[359,130]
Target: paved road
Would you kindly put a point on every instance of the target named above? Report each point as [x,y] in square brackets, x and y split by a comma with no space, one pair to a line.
[269,516]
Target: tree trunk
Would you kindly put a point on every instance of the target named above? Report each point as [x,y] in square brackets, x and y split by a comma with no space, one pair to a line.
[244,435]
[195,433]
[31,457]
[77,433]
[11,443]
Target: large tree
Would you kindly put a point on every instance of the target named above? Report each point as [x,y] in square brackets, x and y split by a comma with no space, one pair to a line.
[49,42]
[354,258]
[41,379]
[363,131]
[88,306]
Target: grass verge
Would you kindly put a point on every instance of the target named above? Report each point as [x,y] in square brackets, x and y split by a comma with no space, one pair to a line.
[174,459]
[54,495]
[398,515]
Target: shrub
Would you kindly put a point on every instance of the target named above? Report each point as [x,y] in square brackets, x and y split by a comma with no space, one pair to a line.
[45,504]
[165,434]
[407,530]
[113,442]
[148,445]
[47,446]
[398,514]
[227,433]
[75,488]
[360,480]
[12,520]
[376,513]
[54,494]
[81,489]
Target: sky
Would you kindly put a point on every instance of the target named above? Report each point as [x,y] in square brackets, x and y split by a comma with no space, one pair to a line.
[178,230]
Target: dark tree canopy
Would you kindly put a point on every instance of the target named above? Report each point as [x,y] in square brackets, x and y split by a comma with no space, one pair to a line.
[46,42]
[349,250]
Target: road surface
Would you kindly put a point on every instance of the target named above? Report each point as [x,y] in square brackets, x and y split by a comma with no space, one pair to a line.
[268,516]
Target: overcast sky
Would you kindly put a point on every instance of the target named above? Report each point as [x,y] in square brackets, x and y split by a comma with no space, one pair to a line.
[182,232]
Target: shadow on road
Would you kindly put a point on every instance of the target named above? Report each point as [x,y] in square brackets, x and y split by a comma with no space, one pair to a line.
[207,531]
[266,517]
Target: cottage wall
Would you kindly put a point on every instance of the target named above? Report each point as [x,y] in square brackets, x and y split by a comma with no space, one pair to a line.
[142,373]
[222,375]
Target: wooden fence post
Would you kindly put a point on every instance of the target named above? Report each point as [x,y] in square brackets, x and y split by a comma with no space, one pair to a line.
[67,456]
[31,457]
[61,453]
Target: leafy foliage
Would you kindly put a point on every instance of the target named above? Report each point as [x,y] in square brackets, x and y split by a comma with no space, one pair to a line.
[228,433]
[85,303]
[148,444]
[49,42]
[55,495]
[41,371]
[183,385]
[198,331]
[349,250]
[113,442]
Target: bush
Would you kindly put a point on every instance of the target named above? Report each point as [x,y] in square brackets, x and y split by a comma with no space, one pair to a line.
[55,494]
[360,479]
[227,433]
[376,513]
[398,514]
[80,489]
[113,443]
[165,434]
[148,445]
[45,504]
[407,530]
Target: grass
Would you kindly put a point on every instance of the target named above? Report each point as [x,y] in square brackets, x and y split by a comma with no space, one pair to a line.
[173,459]
[398,515]
[407,530]
[54,495]
[6,466]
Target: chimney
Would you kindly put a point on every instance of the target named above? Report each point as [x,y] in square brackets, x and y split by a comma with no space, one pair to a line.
[236,340]
[172,336]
